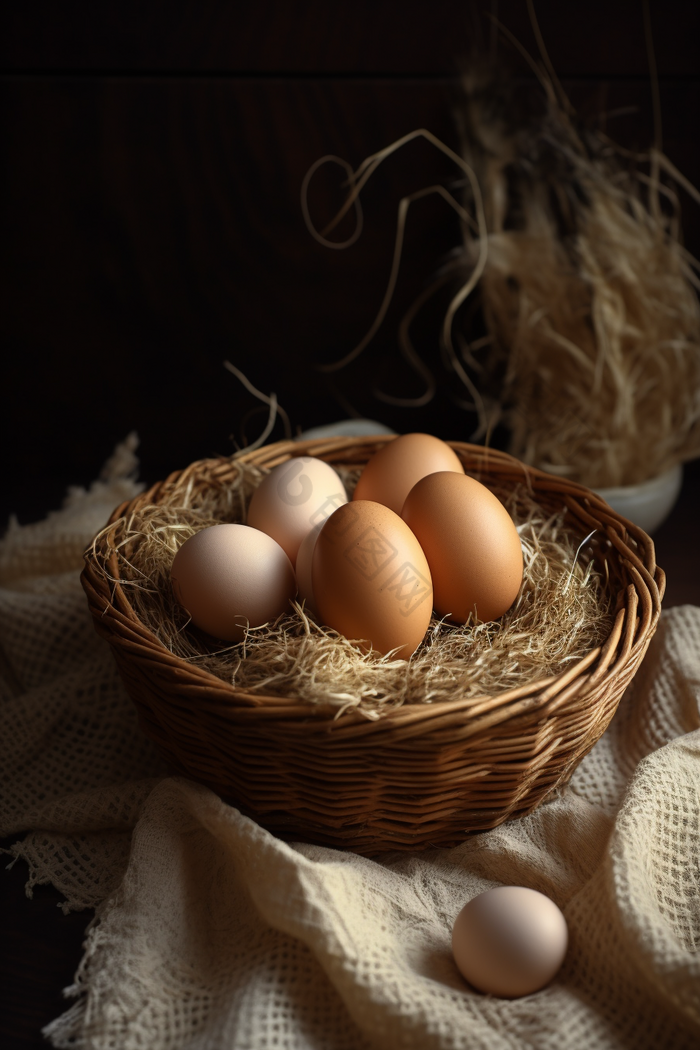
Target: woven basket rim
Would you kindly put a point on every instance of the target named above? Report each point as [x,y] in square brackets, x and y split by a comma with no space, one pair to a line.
[537,693]
[420,775]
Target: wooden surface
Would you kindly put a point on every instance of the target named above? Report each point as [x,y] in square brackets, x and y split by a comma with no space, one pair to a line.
[151,228]
[151,208]
[39,954]
[595,39]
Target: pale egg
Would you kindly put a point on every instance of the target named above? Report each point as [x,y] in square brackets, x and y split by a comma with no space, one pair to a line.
[509,941]
[305,586]
[371,580]
[293,498]
[228,575]
[392,472]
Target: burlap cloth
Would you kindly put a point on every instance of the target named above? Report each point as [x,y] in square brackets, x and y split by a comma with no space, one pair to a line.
[211,933]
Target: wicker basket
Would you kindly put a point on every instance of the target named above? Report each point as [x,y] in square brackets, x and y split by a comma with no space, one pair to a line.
[423,775]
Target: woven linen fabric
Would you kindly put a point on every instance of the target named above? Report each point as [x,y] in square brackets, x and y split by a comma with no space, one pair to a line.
[209,932]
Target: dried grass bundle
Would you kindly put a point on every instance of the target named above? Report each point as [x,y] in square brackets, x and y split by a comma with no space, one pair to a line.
[591,355]
[593,351]
[562,612]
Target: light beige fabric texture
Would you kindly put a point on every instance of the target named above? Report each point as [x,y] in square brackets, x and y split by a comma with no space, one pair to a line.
[210,933]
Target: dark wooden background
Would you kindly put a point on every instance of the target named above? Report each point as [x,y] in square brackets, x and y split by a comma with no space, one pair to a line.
[152,158]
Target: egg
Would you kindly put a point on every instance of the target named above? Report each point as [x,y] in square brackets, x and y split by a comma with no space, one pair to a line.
[293,498]
[392,472]
[371,580]
[226,575]
[303,566]
[509,941]
[471,543]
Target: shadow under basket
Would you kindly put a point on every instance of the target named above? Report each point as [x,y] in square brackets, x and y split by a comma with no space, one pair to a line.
[422,775]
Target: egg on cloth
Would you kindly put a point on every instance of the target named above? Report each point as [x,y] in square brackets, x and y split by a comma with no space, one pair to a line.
[471,544]
[391,473]
[228,575]
[293,498]
[509,941]
[371,580]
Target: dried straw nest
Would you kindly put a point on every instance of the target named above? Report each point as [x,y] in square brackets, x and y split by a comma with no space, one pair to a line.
[313,739]
[563,611]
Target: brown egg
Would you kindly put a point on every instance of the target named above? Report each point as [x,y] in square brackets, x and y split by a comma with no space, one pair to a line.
[470,541]
[392,472]
[371,580]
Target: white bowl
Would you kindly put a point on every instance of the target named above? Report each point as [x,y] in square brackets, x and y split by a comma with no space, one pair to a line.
[346,428]
[648,504]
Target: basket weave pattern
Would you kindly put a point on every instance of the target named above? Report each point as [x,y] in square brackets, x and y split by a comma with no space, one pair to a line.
[422,775]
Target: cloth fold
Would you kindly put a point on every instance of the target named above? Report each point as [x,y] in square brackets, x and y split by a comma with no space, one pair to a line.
[209,932]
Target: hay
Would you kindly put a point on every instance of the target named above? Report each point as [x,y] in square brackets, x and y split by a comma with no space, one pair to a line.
[562,612]
[588,344]
[592,357]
